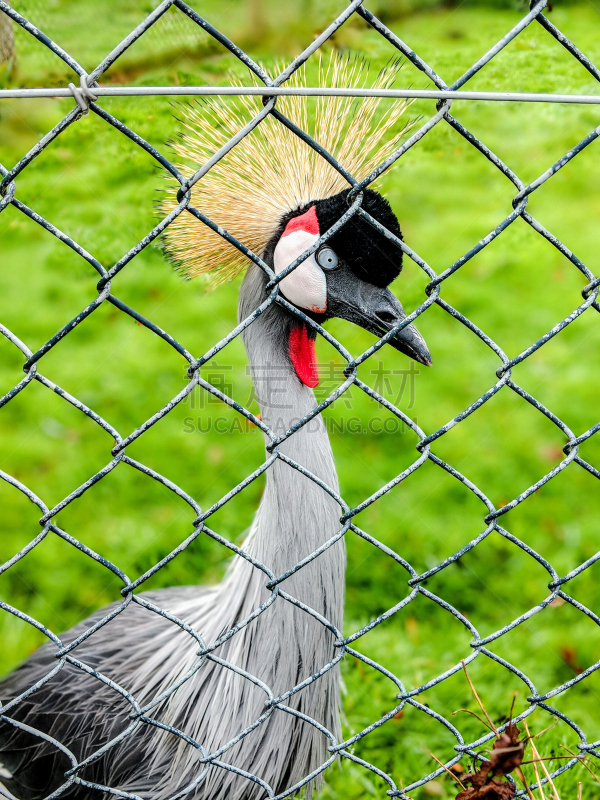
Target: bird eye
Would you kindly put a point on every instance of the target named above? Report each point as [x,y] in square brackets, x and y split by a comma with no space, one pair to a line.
[327,258]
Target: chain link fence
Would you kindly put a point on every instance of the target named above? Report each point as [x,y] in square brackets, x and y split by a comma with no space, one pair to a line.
[86,95]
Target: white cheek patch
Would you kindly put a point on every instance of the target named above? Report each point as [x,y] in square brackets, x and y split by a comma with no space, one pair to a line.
[305,286]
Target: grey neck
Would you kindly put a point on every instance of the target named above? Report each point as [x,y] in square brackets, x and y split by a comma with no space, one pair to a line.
[296,515]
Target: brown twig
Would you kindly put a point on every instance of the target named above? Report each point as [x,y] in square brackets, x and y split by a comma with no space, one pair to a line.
[523,779]
[550,781]
[473,714]
[538,780]
[452,775]
[539,759]
[582,760]
[549,728]
[481,706]
[536,758]
[512,708]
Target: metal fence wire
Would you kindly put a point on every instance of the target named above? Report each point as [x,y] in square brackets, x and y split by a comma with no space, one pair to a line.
[86,94]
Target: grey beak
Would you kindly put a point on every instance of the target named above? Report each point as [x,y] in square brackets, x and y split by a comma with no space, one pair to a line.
[376,310]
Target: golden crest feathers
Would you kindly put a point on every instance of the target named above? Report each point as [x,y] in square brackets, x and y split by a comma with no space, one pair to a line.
[272,171]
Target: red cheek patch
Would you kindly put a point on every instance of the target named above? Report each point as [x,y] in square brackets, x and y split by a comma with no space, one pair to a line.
[305,222]
[302,354]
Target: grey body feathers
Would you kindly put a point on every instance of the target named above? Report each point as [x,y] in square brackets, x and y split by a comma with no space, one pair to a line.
[145,654]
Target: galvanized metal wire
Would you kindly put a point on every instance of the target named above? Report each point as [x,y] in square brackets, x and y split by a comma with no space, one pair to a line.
[86,94]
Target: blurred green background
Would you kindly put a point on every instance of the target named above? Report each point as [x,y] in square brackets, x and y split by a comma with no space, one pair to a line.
[99,188]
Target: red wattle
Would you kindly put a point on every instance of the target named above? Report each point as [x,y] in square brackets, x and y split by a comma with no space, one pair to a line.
[303,356]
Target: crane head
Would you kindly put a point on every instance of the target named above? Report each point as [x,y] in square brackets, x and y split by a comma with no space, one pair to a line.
[347,277]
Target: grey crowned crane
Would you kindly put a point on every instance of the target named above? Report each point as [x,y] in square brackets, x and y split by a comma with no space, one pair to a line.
[277,196]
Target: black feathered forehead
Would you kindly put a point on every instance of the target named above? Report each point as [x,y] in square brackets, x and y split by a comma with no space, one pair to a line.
[369,254]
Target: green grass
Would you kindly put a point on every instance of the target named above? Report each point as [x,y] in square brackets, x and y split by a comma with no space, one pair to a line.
[99,188]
